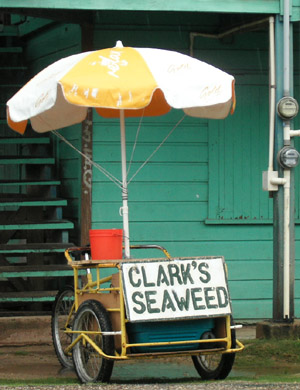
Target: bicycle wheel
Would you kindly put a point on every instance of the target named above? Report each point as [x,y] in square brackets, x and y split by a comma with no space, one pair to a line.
[90,366]
[59,322]
[215,366]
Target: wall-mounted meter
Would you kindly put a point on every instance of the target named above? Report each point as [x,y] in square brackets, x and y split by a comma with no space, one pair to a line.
[288,157]
[287,108]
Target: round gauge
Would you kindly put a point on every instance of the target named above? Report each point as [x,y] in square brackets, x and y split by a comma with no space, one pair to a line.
[287,107]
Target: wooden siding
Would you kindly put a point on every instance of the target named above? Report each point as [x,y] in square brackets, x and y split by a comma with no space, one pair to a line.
[238,155]
[163,208]
[52,44]
[172,199]
[254,6]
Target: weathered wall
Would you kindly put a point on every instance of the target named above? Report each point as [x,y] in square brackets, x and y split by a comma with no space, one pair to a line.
[201,194]
[42,49]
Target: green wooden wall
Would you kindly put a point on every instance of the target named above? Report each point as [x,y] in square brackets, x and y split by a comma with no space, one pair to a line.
[201,194]
[253,6]
[49,45]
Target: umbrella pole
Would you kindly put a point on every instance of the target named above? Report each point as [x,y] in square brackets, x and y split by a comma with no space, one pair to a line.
[124,187]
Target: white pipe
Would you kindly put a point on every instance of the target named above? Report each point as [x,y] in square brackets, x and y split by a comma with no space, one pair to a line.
[223,34]
[286,48]
[286,256]
[287,173]
[272,87]
[287,133]
[277,181]
[125,211]
[294,133]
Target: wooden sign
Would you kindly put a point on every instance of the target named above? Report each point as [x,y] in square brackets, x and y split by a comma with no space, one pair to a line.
[178,288]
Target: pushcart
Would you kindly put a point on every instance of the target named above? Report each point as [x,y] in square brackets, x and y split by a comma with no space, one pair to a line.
[146,308]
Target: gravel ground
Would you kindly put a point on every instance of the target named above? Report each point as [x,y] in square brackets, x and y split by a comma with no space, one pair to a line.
[228,385]
[39,362]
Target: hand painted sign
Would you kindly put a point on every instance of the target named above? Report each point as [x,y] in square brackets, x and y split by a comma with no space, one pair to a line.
[177,288]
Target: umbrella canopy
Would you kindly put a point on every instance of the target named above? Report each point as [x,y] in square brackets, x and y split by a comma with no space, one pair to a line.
[131,79]
[121,82]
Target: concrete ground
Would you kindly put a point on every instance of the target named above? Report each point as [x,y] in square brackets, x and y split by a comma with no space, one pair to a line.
[37,330]
[26,352]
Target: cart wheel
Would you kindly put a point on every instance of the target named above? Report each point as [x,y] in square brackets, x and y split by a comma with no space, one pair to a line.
[215,366]
[62,306]
[90,366]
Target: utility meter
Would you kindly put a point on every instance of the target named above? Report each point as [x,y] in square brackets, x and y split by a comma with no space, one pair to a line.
[288,157]
[287,108]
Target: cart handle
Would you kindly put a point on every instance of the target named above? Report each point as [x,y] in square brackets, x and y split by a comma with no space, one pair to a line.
[166,253]
[87,249]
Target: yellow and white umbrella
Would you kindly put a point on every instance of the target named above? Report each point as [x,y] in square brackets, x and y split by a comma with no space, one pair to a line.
[121,82]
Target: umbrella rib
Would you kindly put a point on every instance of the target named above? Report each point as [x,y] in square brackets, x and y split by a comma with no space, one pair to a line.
[135,143]
[158,147]
[103,170]
[96,165]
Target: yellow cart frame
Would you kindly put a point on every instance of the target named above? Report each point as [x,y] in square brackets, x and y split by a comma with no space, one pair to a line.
[112,298]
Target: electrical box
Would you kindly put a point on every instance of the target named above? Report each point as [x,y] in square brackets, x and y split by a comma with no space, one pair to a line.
[268,176]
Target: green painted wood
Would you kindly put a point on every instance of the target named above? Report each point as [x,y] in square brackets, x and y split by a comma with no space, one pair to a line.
[26,160]
[152,129]
[47,225]
[30,296]
[247,249]
[182,231]
[9,31]
[47,298]
[254,6]
[248,252]
[187,152]
[193,231]
[33,24]
[22,183]
[256,40]
[37,272]
[19,202]
[34,248]
[153,191]
[254,309]
[239,221]
[52,44]
[243,246]
[232,250]
[240,270]
[297,290]
[156,211]
[156,172]
[235,193]
[251,289]
[32,202]
[69,168]
[14,68]
[11,49]
[24,140]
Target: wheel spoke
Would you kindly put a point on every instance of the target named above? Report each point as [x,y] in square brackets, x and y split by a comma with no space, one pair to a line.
[89,364]
[60,316]
[211,362]
[90,358]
